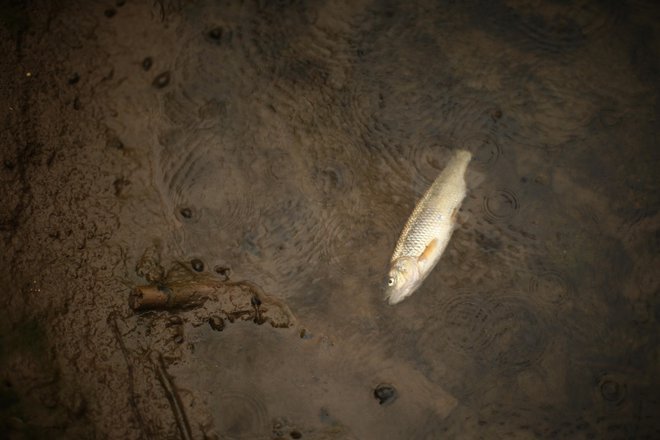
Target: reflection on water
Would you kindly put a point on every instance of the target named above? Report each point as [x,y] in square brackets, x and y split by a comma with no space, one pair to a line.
[286,144]
[297,139]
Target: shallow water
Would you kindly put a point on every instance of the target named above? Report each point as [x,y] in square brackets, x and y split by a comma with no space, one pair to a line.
[289,142]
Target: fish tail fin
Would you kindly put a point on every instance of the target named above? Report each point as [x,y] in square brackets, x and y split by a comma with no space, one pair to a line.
[463,155]
[473,178]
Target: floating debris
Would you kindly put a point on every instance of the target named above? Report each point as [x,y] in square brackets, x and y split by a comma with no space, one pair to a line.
[148,266]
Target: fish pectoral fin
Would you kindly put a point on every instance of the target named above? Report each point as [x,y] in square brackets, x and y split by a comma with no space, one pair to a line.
[426,255]
[454,214]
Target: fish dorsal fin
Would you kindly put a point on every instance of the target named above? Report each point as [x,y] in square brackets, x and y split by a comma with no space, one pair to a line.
[428,252]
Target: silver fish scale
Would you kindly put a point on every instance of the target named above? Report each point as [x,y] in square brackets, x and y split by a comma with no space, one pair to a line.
[432,217]
[425,223]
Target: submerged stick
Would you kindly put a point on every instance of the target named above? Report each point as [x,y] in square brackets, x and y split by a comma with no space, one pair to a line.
[172,396]
[235,300]
[172,296]
[112,320]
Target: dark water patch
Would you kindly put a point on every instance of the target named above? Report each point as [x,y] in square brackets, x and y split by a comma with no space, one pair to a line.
[15,19]
[488,242]
[551,27]
[507,420]
[300,56]
[552,107]
[73,79]
[29,336]
[292,33]
[643,58]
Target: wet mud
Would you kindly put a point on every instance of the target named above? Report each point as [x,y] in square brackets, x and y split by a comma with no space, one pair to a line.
[200,200]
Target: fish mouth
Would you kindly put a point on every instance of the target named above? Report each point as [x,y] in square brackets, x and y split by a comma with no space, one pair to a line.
[394,297]
[391,300]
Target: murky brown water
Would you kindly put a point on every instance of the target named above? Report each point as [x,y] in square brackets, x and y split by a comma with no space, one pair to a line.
[285,144]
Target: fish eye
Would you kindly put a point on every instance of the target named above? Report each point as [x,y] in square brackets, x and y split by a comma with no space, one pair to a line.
[390,281]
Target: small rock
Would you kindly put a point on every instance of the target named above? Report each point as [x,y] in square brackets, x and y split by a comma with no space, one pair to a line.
[197,265]
[217,323]
[186,212]
[161,80]
[114,142]
[223,271]
[174,320]
[385,394]
[147,63]
[148,267]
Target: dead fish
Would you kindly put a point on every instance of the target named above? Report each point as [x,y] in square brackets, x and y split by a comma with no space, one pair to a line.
[428,230]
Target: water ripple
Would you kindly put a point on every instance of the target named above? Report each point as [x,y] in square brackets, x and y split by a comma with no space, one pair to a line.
[551,287]
[553,26]
[429,160]
[612,389]
[485,149]
[500,330]
[419,157]
[239,415]
[500,205]
[301,52]
[332,178]
[552,108]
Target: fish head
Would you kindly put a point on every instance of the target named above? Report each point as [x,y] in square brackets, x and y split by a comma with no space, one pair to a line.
[402,279]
